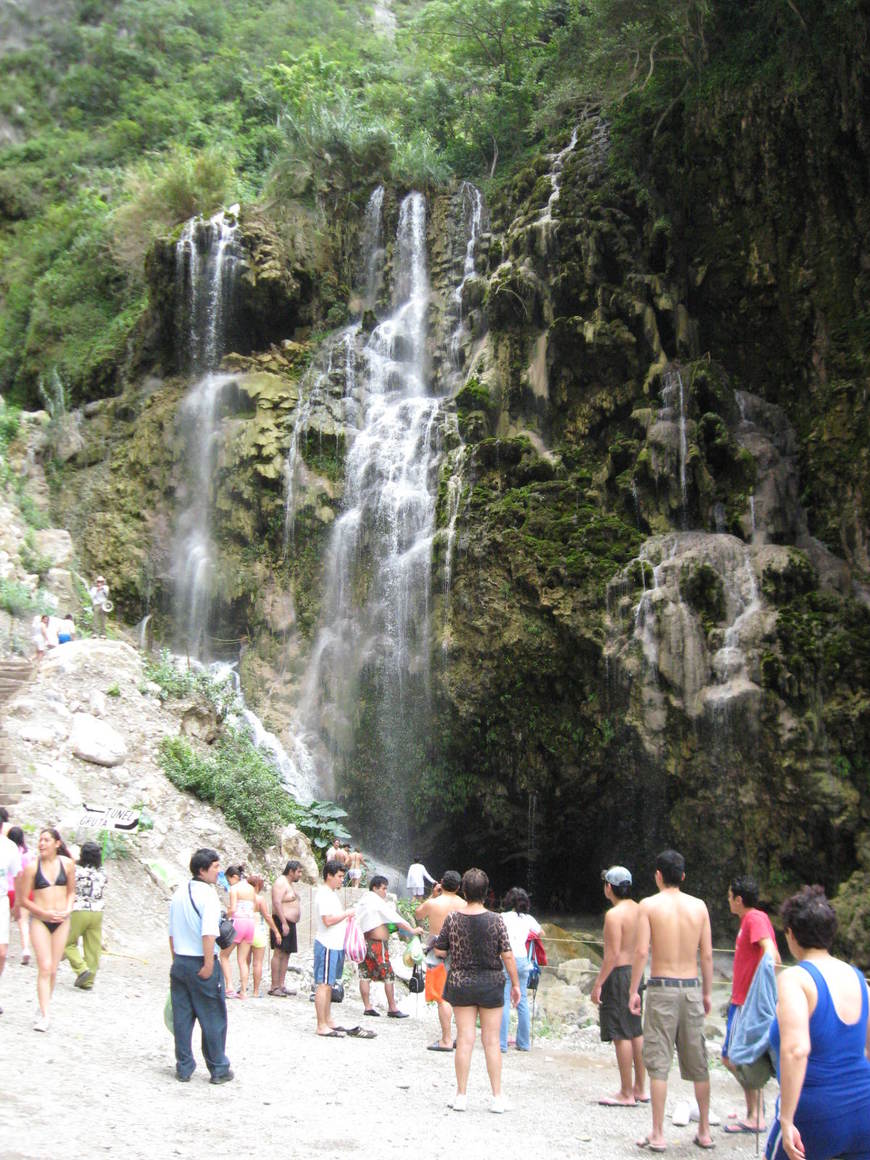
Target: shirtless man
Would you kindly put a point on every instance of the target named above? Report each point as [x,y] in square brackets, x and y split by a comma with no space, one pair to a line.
[286,908]
[677,928]
[375,916]
[618,1024]
[355,864]
[337,852]
[437,906]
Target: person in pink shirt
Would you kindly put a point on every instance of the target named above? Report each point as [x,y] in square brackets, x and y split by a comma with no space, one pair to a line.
[755,938]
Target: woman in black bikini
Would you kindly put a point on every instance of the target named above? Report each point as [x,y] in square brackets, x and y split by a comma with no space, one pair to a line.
[48,891]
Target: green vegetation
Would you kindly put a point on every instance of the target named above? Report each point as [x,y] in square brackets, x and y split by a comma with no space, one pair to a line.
[176,682]
[132,115]
[237,778]
[17,599]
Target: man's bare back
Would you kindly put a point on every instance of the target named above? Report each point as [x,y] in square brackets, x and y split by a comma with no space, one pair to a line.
[437,907]
[620,923]
[678,926]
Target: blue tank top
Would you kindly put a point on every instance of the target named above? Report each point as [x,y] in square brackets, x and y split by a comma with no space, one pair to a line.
[837,1050]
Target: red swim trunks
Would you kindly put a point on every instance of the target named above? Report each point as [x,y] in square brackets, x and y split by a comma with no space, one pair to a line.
[376,966]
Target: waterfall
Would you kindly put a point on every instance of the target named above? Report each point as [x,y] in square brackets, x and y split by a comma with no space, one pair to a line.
[557,164]
[674,399]
[371,652]
[207,260]
[373,247]
[206,263]
[472,203]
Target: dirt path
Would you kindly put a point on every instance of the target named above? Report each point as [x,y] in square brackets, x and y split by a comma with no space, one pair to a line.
[102,1082]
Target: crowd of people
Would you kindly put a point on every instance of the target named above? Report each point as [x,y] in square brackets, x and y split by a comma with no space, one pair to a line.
[479,964]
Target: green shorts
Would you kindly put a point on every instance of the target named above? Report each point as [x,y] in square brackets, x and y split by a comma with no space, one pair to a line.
[674,1017]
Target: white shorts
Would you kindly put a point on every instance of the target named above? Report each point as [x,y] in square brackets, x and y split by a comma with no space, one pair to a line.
[4,920]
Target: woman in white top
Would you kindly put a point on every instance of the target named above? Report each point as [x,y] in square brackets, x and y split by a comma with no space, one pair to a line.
[520,925]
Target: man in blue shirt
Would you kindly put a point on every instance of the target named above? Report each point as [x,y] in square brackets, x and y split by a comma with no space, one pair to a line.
[195,982]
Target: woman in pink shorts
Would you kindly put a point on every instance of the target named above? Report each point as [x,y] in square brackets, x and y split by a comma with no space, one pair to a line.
[241,909]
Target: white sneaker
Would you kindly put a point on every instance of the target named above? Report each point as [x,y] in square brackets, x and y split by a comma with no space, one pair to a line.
[498,1105]
[42,1023]
[459,1103]
[681,1114]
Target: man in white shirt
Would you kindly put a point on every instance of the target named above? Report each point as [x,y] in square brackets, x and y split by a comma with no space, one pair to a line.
[10,868]
[374,915]
[331,922]
[195,984]
[417,878]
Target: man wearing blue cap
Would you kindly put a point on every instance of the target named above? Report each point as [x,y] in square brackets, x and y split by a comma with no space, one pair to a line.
[618,1025]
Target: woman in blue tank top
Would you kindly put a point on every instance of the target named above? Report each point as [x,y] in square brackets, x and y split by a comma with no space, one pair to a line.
[821,1036]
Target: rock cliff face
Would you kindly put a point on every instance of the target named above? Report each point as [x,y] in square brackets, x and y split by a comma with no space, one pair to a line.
[646,621]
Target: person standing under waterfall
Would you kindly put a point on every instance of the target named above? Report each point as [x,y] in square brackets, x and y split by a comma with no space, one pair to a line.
[676,927]
[442,901]
[755,939]
[620,1026]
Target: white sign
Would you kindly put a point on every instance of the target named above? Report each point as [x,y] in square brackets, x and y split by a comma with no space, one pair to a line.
[107,818]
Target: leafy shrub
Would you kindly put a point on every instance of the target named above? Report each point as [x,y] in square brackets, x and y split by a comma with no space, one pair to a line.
[31,513]
[161,195]
[16,598]
[10,422]
[176,682]
[237,779]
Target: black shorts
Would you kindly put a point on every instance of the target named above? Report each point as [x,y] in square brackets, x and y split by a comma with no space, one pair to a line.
[477,993]
[617,1022]
[288,941]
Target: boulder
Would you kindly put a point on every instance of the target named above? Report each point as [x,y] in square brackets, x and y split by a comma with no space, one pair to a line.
[97,703]
[578,973]
[96,741]
[294,844]
[200,721]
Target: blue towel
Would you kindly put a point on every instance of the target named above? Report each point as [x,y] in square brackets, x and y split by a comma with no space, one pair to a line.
[750,1035]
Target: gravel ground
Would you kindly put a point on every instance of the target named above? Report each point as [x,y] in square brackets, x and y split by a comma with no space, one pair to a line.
[102,1081]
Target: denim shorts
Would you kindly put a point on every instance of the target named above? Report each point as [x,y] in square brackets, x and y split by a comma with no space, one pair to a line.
[328,965]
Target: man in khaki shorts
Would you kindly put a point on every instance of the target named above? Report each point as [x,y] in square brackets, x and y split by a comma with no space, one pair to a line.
[676,927]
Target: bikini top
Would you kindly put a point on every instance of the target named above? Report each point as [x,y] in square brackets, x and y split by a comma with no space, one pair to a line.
[40,882]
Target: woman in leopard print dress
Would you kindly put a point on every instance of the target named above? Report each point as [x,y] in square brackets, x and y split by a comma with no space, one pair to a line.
[478,944]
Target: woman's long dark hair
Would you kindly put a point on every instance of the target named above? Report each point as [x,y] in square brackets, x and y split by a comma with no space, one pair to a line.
[56,835]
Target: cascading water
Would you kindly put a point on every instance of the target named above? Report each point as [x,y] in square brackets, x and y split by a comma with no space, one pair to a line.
[472,202]
[674,400]
[371,654]
[207,260]
[557,164]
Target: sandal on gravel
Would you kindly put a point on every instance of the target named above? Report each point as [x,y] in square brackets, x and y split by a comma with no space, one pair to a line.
[278,992]
[360,1033]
